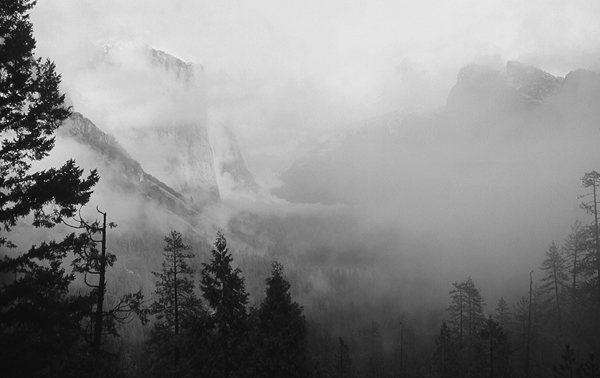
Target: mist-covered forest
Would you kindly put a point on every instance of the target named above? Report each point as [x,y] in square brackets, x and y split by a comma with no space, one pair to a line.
[273,217]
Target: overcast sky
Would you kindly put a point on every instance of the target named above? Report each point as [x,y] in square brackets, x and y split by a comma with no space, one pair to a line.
[286,74]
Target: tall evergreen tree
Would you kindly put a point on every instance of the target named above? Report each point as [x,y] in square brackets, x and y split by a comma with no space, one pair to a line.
[223,288]
[592,180]
[502,313]
[176,306]
[282,330]
[553,281]
[39,320]
[572,254]
[343,362]
[446,358]
[497,348]
[466,320]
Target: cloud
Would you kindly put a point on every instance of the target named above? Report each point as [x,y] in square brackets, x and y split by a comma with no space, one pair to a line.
[270,64]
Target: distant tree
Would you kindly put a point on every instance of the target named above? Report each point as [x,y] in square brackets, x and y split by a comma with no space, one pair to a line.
[569,367]
[502,313]
[223,288]
[553,281]
[574,245]
[592,180]
[466,320]
[39,320]
[282,330]
[343,361]
[446,355]
[466,311]
[176,305]
[497,348]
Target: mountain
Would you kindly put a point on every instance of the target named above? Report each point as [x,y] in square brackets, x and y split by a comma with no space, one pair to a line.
[153,105]
[480,89]
[502,109]
[231,167]
[121,172]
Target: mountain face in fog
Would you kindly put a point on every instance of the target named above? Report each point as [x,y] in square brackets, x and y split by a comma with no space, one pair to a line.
[484,89]
[485,106]
[122,173]
[149,124]
[181,154]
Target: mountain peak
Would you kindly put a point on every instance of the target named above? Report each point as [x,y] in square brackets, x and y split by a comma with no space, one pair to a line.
[532,81]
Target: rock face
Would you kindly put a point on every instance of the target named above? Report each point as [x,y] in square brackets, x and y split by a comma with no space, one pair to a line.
[231,167]
[170,139]
[119,169]
[483,89]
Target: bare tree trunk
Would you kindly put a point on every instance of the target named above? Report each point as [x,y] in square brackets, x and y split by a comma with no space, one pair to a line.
[101,288]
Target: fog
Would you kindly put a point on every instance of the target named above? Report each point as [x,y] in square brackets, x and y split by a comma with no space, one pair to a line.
[357,92]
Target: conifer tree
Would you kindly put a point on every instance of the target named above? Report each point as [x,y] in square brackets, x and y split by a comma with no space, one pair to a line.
[176,303]
[592,180]
[343,361]
[554,279]
[572,251]
[502,313]
[446,358]
[39,320]
[223,288]
[497,348]
[282,330]
[176,307]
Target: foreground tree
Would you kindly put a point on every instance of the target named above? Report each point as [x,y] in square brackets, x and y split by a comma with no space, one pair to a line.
[176,306]
[553,281]
[227,325]
[39,320]
[282,330]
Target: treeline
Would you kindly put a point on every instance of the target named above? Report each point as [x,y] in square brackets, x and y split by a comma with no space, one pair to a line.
[552,331]
[218,335]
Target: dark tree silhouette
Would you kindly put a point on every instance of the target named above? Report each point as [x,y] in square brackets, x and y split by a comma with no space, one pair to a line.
[223,288]
[553,281]
[39,321]
[446,358]
[176,306]
[592,180]
[282,330]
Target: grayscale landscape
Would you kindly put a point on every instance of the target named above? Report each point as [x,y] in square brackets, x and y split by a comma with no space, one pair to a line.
[312,189]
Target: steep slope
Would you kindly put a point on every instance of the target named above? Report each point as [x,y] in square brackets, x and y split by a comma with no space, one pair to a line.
[154,105]
[120,170]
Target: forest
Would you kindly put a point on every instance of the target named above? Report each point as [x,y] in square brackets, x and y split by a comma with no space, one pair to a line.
[67,310]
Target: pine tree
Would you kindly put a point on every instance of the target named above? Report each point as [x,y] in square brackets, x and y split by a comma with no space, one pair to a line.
[502,313]
[176,306]
[497,348]
[39,320]
[466,320]
[466,311]
[223,288]
[592,180]
[343,362]
[446,358]
[572,251]
[282,330]
[553,281]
